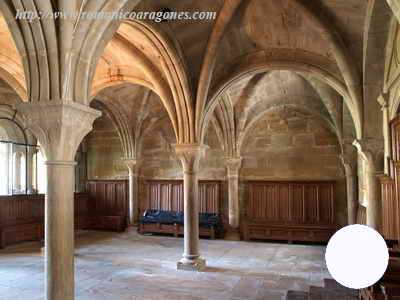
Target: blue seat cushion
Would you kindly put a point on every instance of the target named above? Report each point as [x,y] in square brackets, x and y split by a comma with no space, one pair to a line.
[161,217]
[206,220]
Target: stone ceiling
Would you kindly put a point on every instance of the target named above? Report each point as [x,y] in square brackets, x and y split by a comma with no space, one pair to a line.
[259,25]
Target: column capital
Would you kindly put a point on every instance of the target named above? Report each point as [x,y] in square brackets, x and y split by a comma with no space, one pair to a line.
[383,101]
[59,127]
[233,165]
[133,164]
[372,150]
[189,155]
[350,164]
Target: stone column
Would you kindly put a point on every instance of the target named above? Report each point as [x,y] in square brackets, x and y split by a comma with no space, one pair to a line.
[382,100]
[189,155]
[59,127]
[233,166]
[134,168]
[372,152]
[350,167]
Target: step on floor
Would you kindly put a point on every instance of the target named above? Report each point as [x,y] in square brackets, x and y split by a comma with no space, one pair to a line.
[324,293]
[333,284]
[331,291]
[296,295]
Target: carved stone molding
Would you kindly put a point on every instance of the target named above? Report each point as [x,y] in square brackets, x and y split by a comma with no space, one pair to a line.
[59,127]
[133,165]
[350,165]
[383,101]
[372,150]
[233,166]
[189,155]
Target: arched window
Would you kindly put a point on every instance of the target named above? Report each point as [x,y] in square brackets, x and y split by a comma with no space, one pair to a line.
[18,160]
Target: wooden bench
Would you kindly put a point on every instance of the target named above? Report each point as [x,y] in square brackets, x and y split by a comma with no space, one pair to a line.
[174,229]
[19,233]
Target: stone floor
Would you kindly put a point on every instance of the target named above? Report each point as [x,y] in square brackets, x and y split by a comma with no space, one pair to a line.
[130,266]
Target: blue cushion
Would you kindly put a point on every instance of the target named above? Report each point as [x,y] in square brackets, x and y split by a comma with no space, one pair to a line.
[206,220]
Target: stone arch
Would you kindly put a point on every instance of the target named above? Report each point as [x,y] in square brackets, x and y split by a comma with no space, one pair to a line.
[262,114]
[122,79]
[258,63]
[166,76]
[348,70]
[14,131]
[8,113]
[121,124]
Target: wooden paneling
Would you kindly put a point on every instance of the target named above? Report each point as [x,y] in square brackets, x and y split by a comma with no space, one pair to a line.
[390,187]
[22,217]
[21,209]
[82,209]
[290,211]
[108,204]
[108,197]
[168,195]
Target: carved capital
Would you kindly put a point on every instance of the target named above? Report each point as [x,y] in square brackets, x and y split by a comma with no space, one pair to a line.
[59,127]
[133,165]
[233,165]
[383,101]
[189,155]
[372,150]
[350,164]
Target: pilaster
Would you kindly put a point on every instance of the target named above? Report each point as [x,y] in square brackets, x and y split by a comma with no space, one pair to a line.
[233,166]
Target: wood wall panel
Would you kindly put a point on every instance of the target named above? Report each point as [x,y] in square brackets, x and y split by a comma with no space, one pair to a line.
[168,195]
[389,208]
[290,211]
[21,209]
[22,217]
[284,203]
[108,197]
[108,202]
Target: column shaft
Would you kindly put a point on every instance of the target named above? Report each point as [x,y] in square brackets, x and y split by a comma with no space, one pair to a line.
[133,194]
[374,208]
[191,216]
[59,231]
[352,201]
[190,156]
[133,166]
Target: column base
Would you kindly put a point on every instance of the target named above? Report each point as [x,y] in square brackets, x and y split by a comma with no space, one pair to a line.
[191,264]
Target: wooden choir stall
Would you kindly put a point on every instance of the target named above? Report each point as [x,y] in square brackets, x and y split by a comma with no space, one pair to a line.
[103,206]
[164,200]
[290,211]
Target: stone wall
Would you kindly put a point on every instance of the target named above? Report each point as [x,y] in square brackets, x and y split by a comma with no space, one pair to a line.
[286,144]
[104,151]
